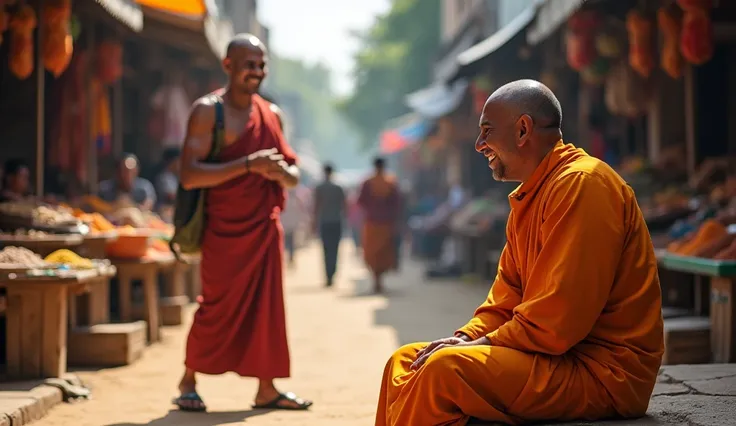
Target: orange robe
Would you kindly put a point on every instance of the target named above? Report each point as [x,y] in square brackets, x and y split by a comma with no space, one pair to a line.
[380,200]
[573,316]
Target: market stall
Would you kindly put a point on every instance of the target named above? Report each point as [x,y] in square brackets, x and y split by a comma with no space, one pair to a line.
[37,314]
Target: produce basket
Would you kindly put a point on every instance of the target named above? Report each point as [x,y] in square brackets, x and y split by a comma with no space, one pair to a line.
[128,246]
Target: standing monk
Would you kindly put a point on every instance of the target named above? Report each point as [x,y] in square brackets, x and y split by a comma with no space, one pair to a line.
[379,198]
[240,326]
[572,327]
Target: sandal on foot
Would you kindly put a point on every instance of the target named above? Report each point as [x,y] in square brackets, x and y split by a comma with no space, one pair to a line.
[190,402]
[276,403]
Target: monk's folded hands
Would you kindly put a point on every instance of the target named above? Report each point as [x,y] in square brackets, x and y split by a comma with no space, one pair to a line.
[435,346]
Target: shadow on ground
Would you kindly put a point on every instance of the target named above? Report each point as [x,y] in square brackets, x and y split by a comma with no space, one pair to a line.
[420,309]
[212,418]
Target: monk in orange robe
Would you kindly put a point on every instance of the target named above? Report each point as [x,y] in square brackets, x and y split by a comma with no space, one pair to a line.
[572,328]
[380,200]
[240,326]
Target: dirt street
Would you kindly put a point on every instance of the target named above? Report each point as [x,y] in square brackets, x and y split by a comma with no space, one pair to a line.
[339,338]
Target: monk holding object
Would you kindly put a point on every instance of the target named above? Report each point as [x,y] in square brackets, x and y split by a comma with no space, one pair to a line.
[240,325]
[572,328]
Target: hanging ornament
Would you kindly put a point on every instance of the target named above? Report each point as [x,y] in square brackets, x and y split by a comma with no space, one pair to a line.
[22,25]
[75,27]
[696,39]
[580,39]
[670,60]
[58,44]
[640,43]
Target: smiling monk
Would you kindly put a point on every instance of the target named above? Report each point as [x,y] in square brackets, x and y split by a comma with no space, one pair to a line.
[572,328]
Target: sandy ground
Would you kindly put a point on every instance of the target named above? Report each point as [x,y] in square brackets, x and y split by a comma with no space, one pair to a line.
[340,339]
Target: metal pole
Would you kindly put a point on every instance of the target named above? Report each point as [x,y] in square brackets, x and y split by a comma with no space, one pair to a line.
[40,103]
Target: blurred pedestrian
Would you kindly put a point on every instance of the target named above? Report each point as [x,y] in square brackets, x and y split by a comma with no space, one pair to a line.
[380,200]
[329,211]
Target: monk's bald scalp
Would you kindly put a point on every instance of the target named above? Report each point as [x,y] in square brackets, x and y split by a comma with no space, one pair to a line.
[533,98]
[245,41]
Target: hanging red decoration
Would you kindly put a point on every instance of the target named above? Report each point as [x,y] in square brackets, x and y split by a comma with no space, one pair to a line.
[641,57]
[696,39]
[580,39]
[109,58]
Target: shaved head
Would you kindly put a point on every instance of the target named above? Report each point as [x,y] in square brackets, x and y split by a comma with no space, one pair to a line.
[532,98]
[246,64]
[520,123]
[245,41]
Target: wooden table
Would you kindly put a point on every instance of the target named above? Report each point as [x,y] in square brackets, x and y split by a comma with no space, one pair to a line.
[146,270]
[93,245]
[43,246]
[722,276]
[37,320]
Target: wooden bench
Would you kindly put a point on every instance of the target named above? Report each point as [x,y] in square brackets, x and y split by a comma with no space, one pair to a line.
[37,320]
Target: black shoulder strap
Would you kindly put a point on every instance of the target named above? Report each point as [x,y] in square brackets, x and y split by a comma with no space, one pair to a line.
[218,132]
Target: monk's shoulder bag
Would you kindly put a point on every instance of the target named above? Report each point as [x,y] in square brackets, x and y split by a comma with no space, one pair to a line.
[189,211]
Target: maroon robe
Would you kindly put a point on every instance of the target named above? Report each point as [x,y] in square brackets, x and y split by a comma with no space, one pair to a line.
[240,325]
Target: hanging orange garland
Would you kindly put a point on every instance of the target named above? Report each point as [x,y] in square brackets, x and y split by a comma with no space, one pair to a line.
[58,43]
[640,43]
[670,60]
[696,41]
[22,25]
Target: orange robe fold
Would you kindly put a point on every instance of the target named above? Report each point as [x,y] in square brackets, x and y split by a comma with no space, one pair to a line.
[573,316]
[240,325]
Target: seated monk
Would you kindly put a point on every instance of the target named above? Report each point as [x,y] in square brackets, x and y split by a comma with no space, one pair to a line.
[572,328]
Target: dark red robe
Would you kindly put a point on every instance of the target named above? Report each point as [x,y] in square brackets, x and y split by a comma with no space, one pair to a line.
[240,325]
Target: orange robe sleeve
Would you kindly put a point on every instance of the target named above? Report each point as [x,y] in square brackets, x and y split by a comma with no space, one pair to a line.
[569,284]
[504,296]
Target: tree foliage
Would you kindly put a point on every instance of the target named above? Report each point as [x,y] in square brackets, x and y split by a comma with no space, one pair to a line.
[395,59]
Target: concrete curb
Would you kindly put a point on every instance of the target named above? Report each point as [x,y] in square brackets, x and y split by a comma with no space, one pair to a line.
[19,408]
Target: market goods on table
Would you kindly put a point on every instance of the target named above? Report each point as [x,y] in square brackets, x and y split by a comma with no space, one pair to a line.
[16,257]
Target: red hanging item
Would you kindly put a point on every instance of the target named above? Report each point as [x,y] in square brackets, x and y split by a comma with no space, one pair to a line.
[109,61]
[641,57]
[580,39]
[696,40]
[688,5]
[57,42]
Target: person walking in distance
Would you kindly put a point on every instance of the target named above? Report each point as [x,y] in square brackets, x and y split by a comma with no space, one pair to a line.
[380,200]
[240,325]
[329,210]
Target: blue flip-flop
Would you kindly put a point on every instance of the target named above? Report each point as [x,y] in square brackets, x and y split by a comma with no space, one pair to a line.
[190,397]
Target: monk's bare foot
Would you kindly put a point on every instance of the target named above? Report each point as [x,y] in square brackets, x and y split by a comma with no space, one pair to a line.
[269,397]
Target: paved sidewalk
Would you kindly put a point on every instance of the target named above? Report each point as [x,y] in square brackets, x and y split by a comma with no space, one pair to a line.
[340,339]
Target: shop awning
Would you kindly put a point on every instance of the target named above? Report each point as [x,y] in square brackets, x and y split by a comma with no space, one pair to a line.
[189,8]
[486,47]
[550,16]
[126,11]
[195,16]
[437,100]
[403,132]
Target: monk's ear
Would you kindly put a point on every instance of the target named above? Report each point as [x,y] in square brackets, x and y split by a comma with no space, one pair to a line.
[227,65]
[524,129]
